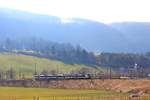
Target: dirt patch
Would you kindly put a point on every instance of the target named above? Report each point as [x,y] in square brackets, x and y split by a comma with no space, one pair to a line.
[115,85]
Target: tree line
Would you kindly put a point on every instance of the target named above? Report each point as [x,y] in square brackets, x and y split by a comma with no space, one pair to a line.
[47,49]
[73,54]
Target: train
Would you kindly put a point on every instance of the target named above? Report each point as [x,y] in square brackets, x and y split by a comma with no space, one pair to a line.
[61,77]
[48,77]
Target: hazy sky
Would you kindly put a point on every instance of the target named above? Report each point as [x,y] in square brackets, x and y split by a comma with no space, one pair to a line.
[100,10]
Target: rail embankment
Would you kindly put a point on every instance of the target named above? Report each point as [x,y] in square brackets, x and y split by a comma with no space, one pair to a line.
[140,86]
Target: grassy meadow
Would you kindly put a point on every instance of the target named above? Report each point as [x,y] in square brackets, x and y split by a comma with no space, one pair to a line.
[10,93]
[26,64]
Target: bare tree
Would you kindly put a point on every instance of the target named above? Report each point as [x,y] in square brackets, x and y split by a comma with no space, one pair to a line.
[10,74]
[53,72]
[44,72]
[85,71]
[1,74]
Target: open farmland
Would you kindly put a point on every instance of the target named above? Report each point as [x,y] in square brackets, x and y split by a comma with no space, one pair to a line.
[10,93]
[13,93]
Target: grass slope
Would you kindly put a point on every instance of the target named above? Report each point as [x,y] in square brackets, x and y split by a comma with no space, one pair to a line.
[27,64]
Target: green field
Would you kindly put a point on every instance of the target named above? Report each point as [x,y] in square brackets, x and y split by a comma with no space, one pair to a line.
[10,93]
[26,64]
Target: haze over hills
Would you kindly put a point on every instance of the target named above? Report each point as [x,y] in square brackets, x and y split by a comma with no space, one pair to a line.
[137,33]
[92,35]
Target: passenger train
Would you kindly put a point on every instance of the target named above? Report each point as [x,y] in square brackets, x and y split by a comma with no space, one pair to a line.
[61,77]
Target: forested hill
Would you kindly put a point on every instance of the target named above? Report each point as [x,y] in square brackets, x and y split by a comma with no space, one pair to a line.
[20,32]
[67,53]
[124,60]
[47,49]
[93,36]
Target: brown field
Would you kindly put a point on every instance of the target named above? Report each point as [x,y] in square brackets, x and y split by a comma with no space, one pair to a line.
[125,86]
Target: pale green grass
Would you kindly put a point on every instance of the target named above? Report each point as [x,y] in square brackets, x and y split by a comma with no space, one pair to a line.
[27,64]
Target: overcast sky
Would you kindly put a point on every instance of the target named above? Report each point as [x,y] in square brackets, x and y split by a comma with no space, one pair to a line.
[106,11]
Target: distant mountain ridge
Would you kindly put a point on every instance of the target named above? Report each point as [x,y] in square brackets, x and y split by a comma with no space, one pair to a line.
[137,32]
[92,35]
